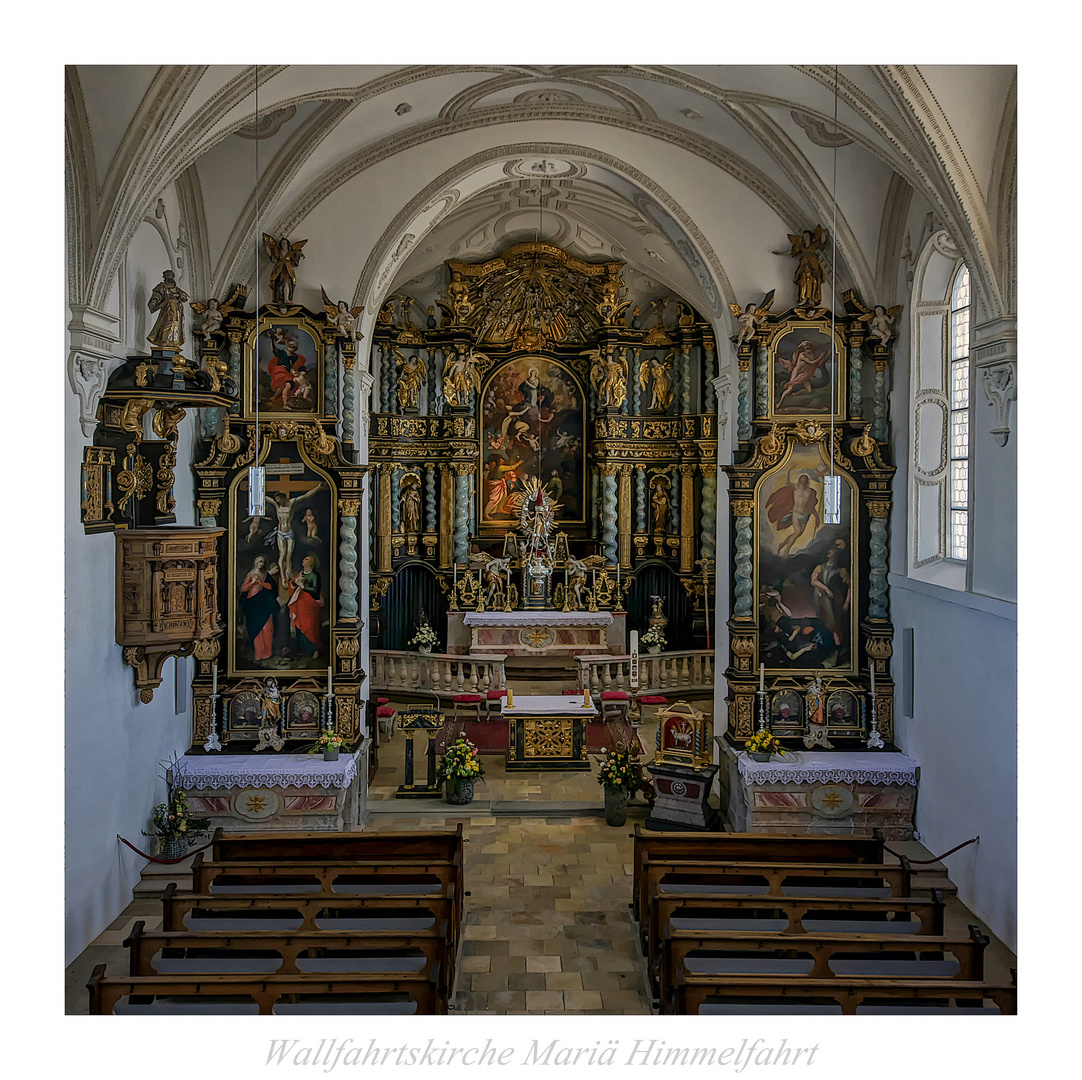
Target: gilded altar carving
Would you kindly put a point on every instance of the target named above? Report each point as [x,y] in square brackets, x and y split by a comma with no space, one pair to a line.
[547,738]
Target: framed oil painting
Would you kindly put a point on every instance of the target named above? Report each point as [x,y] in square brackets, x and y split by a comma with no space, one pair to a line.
[289,369]
[532,430]
[802,373]
[806,587]
[282,569]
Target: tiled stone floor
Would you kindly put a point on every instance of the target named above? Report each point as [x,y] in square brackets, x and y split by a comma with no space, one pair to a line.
[547,925]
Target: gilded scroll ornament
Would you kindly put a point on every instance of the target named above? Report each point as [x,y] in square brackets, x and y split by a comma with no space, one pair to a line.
[547,738]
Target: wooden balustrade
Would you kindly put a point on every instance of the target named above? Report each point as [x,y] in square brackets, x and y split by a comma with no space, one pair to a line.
[682,673]
[440,673]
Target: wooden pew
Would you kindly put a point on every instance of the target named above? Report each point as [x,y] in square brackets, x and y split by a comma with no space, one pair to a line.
[767,995]
[775,879]
[417,994]
[386,952]
[824,956]
[743,847]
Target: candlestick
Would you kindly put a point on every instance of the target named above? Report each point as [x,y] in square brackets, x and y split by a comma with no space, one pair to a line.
[214,676]
[510,698]
[762,677]
[586,698]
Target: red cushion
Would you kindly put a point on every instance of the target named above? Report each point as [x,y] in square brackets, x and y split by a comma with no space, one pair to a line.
[653,699]
[570,693]
[382,700]
[385,710]
[613,695]
[494,694]
[467,699]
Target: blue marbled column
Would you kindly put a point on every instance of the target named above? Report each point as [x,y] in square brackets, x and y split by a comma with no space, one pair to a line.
[595,502]
[856,399]
[640,498]
[709,518]
[743,406]
[349,405]
[430,498]
[879,425]
[462,517]
[372,519]
[710,400]
[685,383]
[636,387]
[235,356]
[762,383]
[396,480]
[330,380]
[209,418]
[674,504]
[742,577]
[347,566]
[877,570]
[608,518]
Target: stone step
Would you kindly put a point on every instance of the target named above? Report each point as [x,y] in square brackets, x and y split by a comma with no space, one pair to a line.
[154,877]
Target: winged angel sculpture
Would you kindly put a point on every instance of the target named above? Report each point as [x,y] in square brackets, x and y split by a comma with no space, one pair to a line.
[809,271]
[609,376]
[285,258]
[881,321]
[341,316]
[460,375]
[749,318]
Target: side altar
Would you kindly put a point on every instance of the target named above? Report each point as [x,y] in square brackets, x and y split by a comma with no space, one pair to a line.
[535,633]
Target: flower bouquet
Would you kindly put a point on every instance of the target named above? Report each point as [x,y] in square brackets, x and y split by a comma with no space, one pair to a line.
[173,823]
[458,768]
[330,742]
[424,639]
[653,640]
[762,746]
[618,774]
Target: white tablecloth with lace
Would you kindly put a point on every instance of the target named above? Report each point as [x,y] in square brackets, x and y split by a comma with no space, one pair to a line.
[830,767]
[203,772]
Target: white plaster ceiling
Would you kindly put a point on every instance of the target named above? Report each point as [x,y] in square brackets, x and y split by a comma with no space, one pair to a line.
[693,176]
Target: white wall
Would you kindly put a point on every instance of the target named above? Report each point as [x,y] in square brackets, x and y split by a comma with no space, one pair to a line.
[962,732]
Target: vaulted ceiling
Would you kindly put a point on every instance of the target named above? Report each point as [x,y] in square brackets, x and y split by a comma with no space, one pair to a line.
[694,176]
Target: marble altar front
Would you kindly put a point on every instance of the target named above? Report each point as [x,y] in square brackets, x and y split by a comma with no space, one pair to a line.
[545,731]
[841,792]
[535,633]
[277,792]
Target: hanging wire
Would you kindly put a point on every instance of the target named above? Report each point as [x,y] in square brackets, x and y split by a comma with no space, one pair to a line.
[256,473]
[832,493]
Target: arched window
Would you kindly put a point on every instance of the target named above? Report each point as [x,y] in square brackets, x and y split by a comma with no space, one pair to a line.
[958,547]
[939,472]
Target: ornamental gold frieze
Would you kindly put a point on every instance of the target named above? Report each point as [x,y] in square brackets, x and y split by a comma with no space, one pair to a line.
[742,507]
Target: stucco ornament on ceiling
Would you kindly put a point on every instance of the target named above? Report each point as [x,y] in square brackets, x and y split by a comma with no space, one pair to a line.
[269,124]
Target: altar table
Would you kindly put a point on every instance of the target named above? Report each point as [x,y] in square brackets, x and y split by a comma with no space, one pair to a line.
[536,634]
[278,792]
[839,792]
[545,731]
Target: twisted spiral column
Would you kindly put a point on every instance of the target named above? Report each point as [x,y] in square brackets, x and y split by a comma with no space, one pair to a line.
[640,498]
[462,511]
[430,498]
[877,571]
[742,578]
[347,561]
[743,405]
[879,425]
[608,517]
[708,520]
[330,381]
[348,406]
[762,383]
[396,479]
[856,401]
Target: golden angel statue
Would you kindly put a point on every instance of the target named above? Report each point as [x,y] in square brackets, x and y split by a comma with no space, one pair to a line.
[341,316]
[749,318]
[460,375]
[285,258]
[880,321]
[608,376]
[654,375]
[412,372]
[809,271]
[168,300]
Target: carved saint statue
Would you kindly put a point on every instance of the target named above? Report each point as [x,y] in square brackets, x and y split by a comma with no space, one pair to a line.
[809,271]
[609,377]
[659,504]
[409,503]
[460,376]
[654,375]
[285,258]
[270,715]
[411,373]
[168,300]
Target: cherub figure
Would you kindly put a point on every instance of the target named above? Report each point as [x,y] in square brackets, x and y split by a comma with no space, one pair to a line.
[213,317]
[748,320]
[880,322]
[311,524]
[285,257]
[341,316]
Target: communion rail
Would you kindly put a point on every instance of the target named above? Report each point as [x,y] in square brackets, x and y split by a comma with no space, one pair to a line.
[403,672]
[688,674]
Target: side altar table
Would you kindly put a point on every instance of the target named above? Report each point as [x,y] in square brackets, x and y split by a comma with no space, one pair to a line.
[278,792]
[840,792]
[535,633]
[547,732]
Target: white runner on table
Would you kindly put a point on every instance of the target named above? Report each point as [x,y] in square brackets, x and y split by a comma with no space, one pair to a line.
[196,773]
[830,767]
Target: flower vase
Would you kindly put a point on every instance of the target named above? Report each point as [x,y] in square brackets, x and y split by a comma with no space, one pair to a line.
[615,805]
[653,650]
[458,791]
[173,849]
[329,754]
[756,755]
[424,650]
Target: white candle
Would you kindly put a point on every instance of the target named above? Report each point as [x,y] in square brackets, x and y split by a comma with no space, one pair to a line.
[214,675]
[762,676]
[330,681]
[871,672]
[456,574]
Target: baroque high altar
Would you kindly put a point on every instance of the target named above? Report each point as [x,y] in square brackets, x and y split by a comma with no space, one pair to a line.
[539,444]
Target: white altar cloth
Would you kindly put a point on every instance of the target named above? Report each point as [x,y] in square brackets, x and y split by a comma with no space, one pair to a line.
[199,773]
[537,618]
[548,705]
[830,767]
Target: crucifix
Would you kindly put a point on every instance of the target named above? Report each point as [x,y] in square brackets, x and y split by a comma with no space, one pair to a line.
[286,491]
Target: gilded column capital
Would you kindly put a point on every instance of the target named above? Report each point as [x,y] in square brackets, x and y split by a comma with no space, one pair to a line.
[878,509]
[741,507]
[349,507]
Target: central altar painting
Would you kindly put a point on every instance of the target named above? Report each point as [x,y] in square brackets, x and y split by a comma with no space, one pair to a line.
[532,428]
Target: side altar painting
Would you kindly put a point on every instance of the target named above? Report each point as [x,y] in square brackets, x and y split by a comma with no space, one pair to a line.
[807,601]
[532,429]
[289,368]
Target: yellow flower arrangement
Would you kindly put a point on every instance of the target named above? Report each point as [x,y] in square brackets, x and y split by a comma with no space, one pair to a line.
[763,742]
[459,762]
[329,740]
